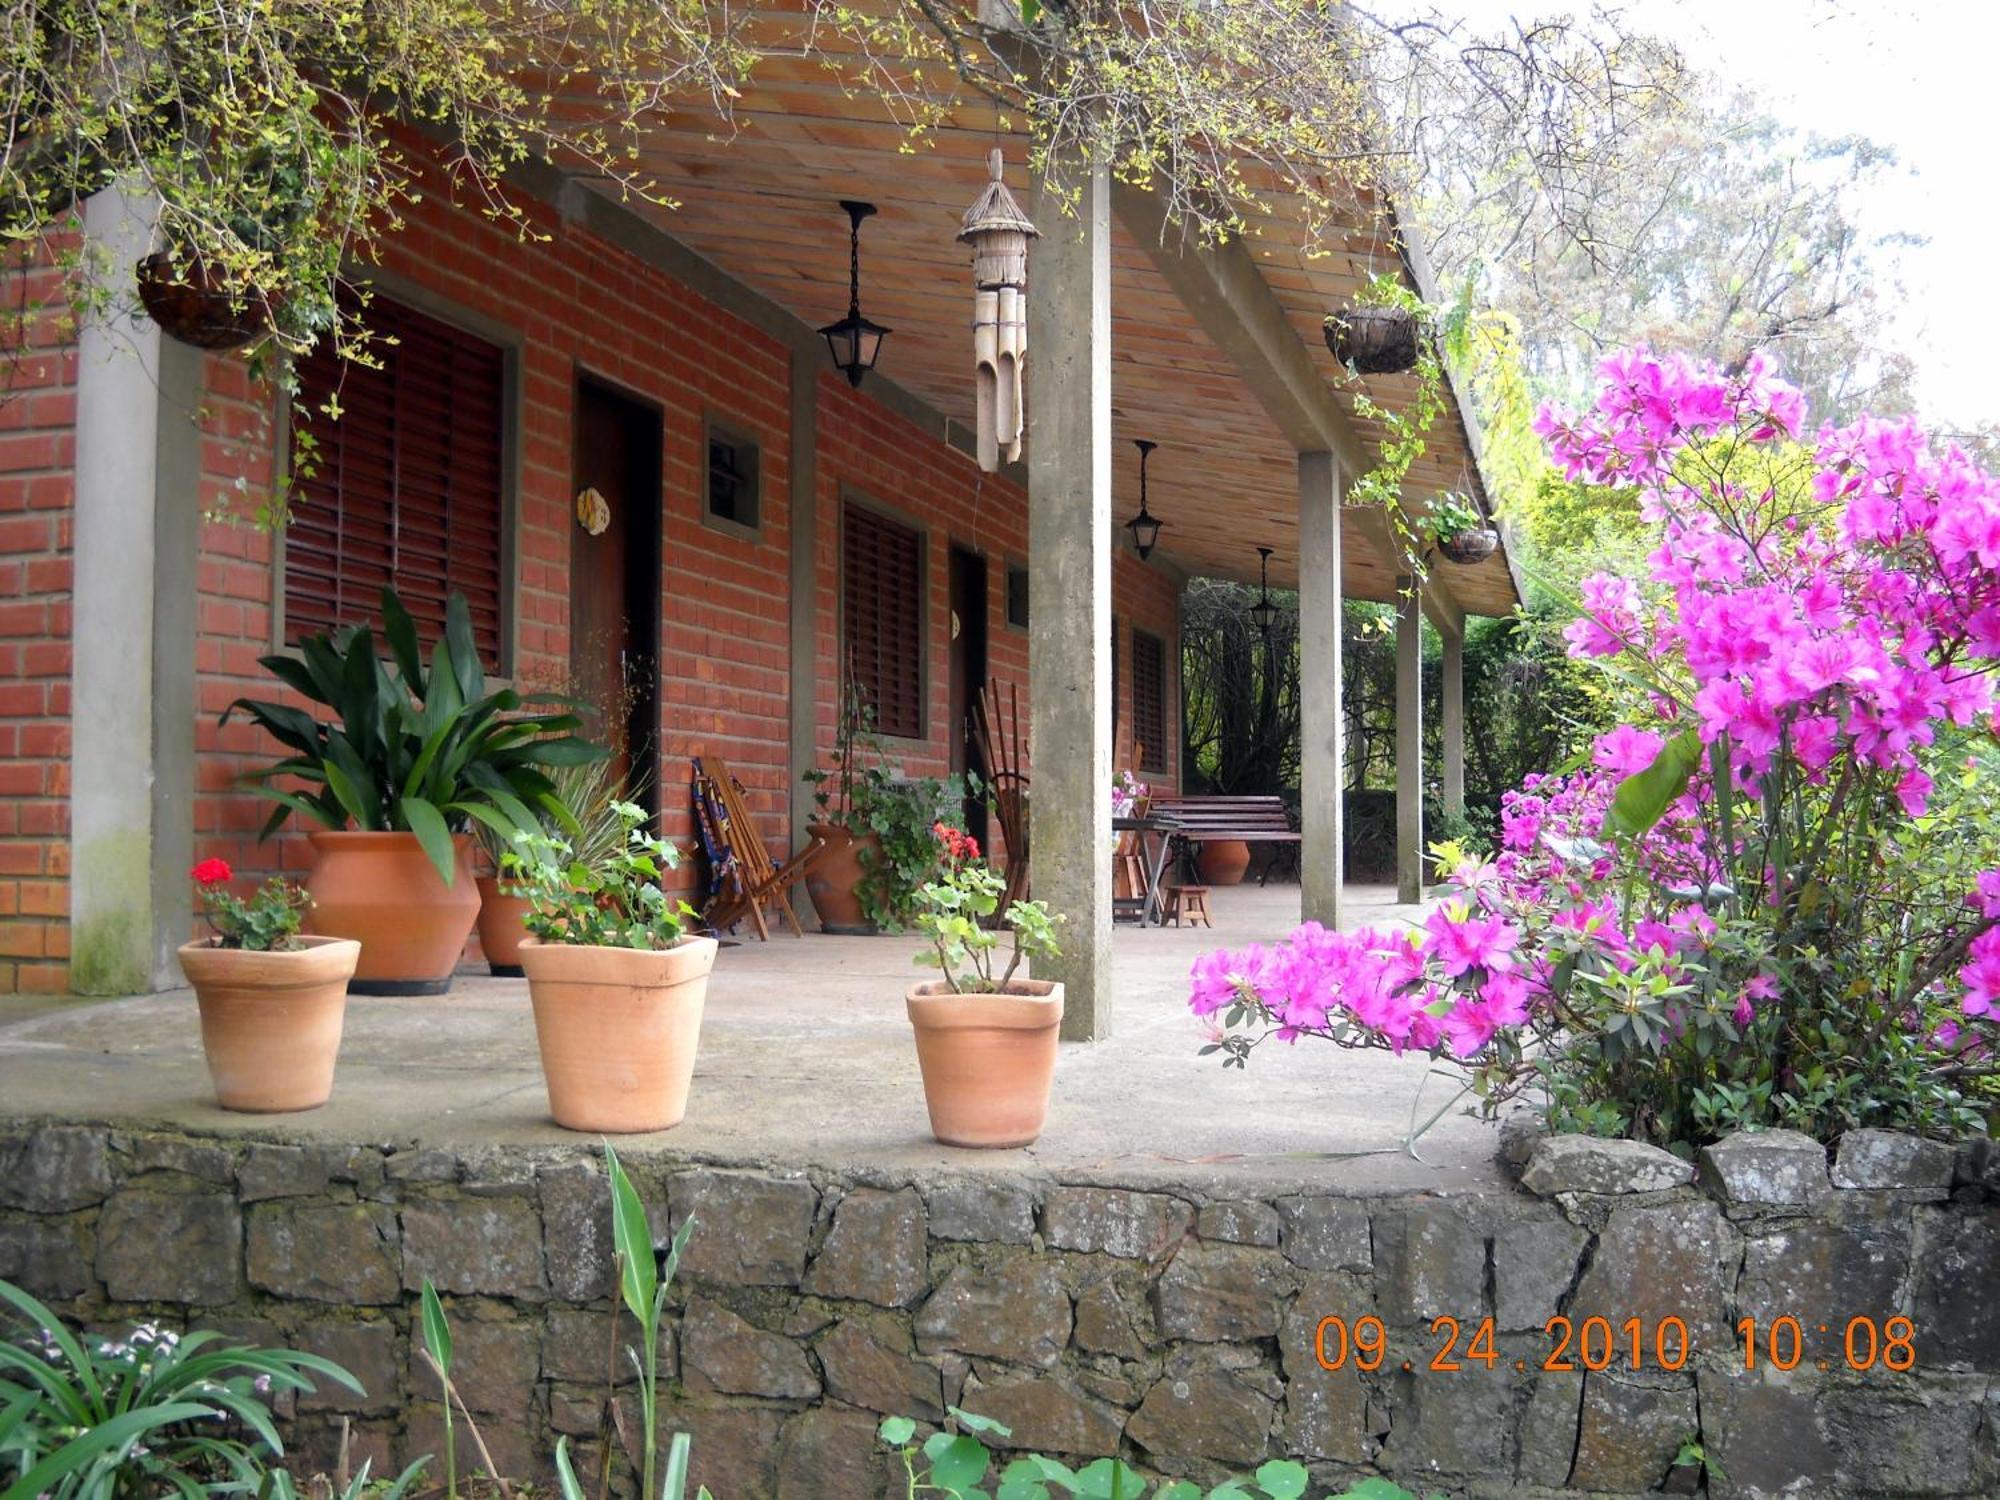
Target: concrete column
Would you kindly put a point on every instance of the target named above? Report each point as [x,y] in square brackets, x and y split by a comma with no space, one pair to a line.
[1451,720]
[802,703]
[1322,714]
[137,522]
[1409,742]
[1069,569]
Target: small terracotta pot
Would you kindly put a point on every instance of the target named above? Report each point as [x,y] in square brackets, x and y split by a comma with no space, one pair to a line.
[1223,861]
[835,877]
[270,1022]
[382,890]
[618,1030]
[501,927]
[988,1060]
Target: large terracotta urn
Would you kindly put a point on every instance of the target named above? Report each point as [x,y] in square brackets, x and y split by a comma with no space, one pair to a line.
[618,1030]
[1223,861]
[382,890]
[502,926]
[988,1060]
[834,879]
[271,1022]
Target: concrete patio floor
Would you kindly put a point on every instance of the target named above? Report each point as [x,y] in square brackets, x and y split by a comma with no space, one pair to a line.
[806,1058]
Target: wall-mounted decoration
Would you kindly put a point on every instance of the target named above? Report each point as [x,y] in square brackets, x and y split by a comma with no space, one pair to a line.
[593,512]
[999,233]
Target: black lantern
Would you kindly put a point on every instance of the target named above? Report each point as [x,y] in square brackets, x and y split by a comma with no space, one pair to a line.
[1144,528]
[854,341]
[1263,613]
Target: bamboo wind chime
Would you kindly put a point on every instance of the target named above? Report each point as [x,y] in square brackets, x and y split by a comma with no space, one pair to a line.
[999,233]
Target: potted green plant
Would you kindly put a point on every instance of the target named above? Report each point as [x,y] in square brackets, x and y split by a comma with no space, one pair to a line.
[590,790]
[272,1002]
[1382,331]
[617,979]
[412,759]
[986,1042]
[1457,527]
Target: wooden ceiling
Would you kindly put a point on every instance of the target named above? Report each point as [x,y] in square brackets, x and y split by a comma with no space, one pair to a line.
[759,198]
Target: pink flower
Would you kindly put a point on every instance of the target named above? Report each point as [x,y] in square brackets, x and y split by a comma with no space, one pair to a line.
[1462,939]
[1626,750]
[1981,977]
[1987,894]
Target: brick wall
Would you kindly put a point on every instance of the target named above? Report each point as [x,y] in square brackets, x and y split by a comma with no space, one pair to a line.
[575,305]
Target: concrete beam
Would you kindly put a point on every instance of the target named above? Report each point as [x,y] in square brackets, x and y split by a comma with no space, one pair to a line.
[1451,722]
[1409,745]
[132,676]
[1228,296]
[802,594]
[1069,571]
[1322,714]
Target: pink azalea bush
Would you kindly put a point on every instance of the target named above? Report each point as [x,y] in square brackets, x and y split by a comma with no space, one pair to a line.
[1770,896]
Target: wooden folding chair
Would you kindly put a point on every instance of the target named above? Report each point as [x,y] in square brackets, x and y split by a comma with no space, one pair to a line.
[747,878]
[1000,745]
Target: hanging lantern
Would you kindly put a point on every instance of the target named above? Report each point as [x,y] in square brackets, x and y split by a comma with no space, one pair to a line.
[1264,614]
[854,341]
[1145,527]
[999,233]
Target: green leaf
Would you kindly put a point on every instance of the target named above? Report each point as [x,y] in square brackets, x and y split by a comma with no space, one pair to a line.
[1643,798]
[114,1435]
[674,1486]
[896,1431]
[1282,1479]
[464,652]
[402,633]
[632,1240]
[566,1474]
[958,1462]
[437,1328]
[973,1422]
[428,824]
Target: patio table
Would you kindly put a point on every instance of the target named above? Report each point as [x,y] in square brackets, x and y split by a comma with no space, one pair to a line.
[1166,829]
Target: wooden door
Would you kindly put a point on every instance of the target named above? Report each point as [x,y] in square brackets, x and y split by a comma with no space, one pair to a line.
[614,580]
[968,673]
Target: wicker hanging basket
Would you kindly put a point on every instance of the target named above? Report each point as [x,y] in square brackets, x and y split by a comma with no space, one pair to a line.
[1375,340]
[190,304]
[1471,546]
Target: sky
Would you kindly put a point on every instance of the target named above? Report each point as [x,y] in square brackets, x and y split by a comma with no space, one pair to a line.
[1915,75]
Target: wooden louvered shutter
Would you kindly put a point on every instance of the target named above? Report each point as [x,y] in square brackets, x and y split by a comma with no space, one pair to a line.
[1149,699]
[882,612]
[406,488]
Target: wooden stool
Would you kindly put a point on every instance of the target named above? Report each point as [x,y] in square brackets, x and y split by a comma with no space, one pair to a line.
[1190,901]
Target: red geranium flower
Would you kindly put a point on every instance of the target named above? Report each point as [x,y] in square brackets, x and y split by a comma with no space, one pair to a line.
[212,872]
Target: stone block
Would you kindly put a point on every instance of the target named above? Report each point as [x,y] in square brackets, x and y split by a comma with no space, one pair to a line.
[825,1453]
[750,1230]
[1326,1234]
[1534,1266]
[1018,1311]
[1586,1164]
[423,1164]
[1659,1261]
[1112,1221]
[577,1346]
[1458,1426]
[47,1257]
[576,1231]
[983,1210]
[722,1352]
[735,1447]
[496,1362]
[1889,1159]
[1956,1296]
[876,1251]
[1109,1321]
[55,1169]
[325,1252]
[870,1361]
[1047,1414]
[1630,1431]
[1215,1294]
[1433,1262]
[1824,1273]
[1549,1428]
[1325,1409]
[475,1246]
[1908,1441]
[1763,1432]
[1766,1169]
[366,1349]
[170,1247]
[1240,1222]
[1201,1408]
[204,1161]
[268,1171]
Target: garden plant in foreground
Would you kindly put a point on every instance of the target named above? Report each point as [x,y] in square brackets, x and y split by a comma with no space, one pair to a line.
[1771,896]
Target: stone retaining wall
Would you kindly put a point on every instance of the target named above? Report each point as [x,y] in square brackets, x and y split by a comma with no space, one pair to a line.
[1173,1326]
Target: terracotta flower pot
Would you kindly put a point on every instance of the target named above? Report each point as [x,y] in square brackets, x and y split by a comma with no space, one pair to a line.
[618,1030]
[501,929]
[835,876]
[1223,861]
[988,1060]
[382,890]
[270,1022]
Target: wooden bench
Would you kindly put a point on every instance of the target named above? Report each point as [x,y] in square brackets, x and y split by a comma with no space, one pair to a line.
[1254,820]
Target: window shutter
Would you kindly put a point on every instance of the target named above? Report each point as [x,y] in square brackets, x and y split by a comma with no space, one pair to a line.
[406,487]
[882,603]
[1149,699]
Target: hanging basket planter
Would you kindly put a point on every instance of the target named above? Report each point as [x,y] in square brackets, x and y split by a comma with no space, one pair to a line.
[1375,340]
[190,304]
[1471,546]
